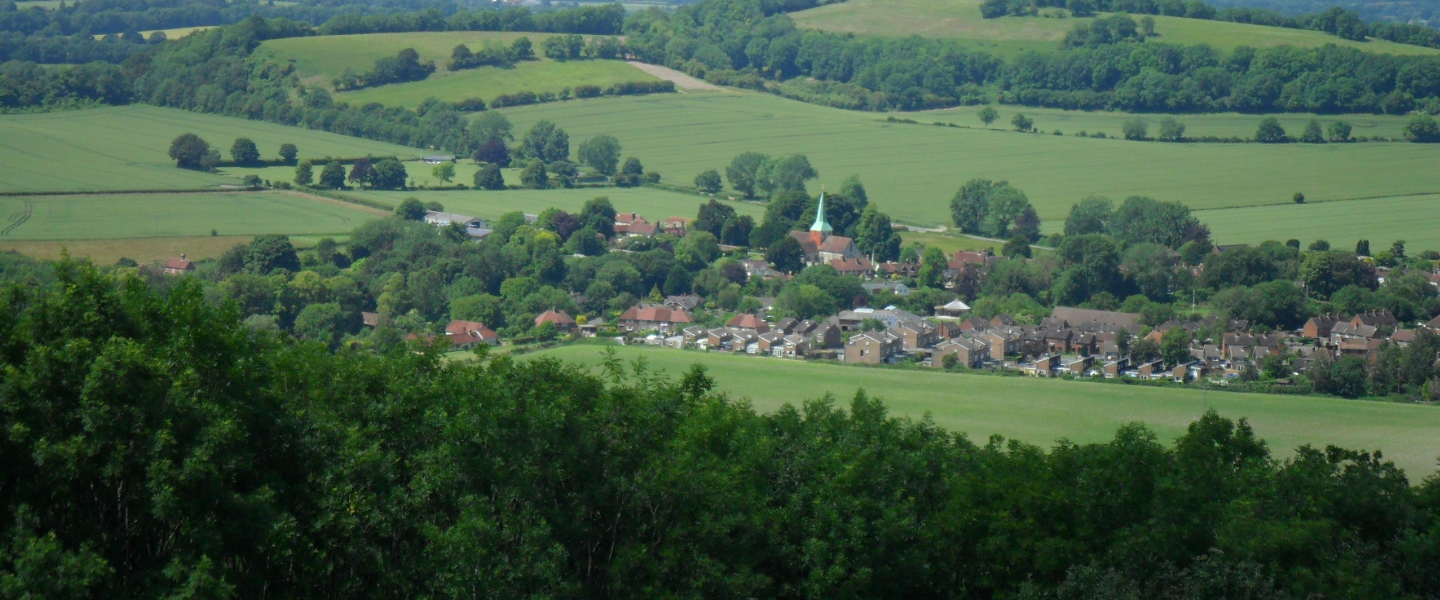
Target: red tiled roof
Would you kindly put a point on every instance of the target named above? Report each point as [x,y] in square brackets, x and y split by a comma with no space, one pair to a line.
[656,314]
[557,317]
[472,330]
[965,257]
[749,321]
[860,264]
[179,264]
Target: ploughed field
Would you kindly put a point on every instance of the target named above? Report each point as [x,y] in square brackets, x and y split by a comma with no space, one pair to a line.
[1042,411]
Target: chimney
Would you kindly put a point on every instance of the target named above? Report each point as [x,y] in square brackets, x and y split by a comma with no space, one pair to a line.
[182,256]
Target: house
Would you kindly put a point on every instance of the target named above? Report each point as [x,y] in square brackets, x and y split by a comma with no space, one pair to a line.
[916,335]
[178,266]
[693,335]
[655,316]
[748,322]
[1080,366]
[955,309]
[1087,319]
[718,339]
[687,302]
[1320,326]
[899,269]
[468,334]
[968,352]
[1375,318]
[444,219]
[758,269]
[1151,369]
[857,267]
[1114,368]
[819,245]
[1433,324]
[824,335]
[676,226]
[636,228]
[435,159]
[796,345]
[962,260]
[1003,342]
[369,319]
[772,343]
[872,348]
[562,321]
[1045,366]
[894,287]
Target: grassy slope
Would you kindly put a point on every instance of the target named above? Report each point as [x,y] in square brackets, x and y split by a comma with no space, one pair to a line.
[912,171]
[653,204]
[319,59]
[1043,411]
[176,215]
[1381,220]
[960,19]
[125,148]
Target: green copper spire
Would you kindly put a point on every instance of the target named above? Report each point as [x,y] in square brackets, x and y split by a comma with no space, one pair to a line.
[821,224]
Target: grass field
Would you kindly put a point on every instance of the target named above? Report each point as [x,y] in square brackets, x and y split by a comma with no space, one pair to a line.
[320,59]
[1043,411]
[1380,220]
[1223,125]
[170,34]
[653,204]
[949,243]
[961,20]
[144,250]
[122,216]
[912,171]
[125,148]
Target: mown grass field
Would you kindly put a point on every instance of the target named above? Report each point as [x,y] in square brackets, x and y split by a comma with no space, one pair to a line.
[653,204]
[1042,411]
[320,59]
[126,148]
[122,216]
[912,171]
[961,20]
[1380,220]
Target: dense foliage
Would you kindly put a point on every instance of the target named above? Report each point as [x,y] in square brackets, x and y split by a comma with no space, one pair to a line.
[157,447]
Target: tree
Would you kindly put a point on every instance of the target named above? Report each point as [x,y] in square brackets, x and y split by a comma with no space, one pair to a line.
[1171,130]
[708,181]
[743,171]
[1175,346]
[1022,123]
[189,151]
[875,236]
[786,174]
[521,49]
[737,231]
[1080,8]
[444,172]
[1145,350]
[1313,133]
[493,152]
[1088,216]
[1298,198]
[1270,132]
[1136,129]
[677,281]
[806,301]
[1141,219]
[324,323]
[853,189]
[602,153]
[786,254]
[546,142]
[304,173]
[1016,247]
[1422,129]
[599,214]
[712,217]
[410,209]
[1362,248]
[244,152]
[630,173]
[489,178]
[333,176]
[534,176]
[361,172]
[288,152]
[988,115]
[586,241]
[1339,131]
[932,268]
[270,252]
[389,174]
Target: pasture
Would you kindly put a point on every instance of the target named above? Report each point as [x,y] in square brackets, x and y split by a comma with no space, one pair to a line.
[1042,411]
[912,171]
[320,59]
[961,20]
[1380,220]
[130,216]
[126,148]
[653,204]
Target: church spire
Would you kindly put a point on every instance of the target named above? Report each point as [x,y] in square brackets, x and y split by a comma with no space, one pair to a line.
[821,229]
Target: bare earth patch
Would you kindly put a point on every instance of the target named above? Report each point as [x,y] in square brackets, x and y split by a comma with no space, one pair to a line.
[682,81]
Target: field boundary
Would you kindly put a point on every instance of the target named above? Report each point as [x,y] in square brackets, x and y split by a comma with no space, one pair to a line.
[1308,201]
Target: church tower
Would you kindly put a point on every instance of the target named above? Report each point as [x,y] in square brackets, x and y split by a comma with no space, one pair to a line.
[821,229]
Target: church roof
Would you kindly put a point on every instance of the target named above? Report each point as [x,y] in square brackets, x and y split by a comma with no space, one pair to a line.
[821,224]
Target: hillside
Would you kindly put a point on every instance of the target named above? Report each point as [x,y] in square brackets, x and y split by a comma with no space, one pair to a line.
[961,20]
[320,59]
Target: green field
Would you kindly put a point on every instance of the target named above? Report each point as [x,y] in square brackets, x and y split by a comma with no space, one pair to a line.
[961,20]
[125,148]
[653,204]
[912,171]
[1042,411]
[121,216]
[1380,220]
[320,59]
[949,243]
[170,34]
[1221,125]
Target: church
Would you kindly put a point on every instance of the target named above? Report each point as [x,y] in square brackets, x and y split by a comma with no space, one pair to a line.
[820,246]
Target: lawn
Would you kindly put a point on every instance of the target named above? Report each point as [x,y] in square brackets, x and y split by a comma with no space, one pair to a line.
[1380,220]
[1042,411]
[126,148]
[122,216]
[653,204]
[320,59]
[912,171]
[961,20]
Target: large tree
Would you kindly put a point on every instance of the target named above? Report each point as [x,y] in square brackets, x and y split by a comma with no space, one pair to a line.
[244,152]
[602,153]
[786,254]
[189,151]
[744,170]
[876,237]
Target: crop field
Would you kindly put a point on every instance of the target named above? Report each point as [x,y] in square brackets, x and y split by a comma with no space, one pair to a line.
[1380,220]
[1042,411]
[912,171]
[961,20]
[122,216]
[1223,125]
[126,148]
[144,250]
[653,204]
[320,59]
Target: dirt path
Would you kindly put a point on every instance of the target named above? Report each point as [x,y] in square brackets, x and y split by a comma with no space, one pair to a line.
[682,81]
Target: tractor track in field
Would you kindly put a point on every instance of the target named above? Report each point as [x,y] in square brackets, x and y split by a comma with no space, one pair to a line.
[19,218]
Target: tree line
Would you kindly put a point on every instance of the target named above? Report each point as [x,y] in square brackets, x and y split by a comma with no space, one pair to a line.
[245,463]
